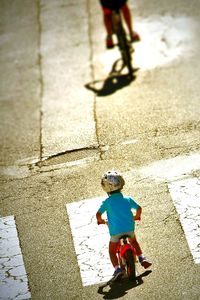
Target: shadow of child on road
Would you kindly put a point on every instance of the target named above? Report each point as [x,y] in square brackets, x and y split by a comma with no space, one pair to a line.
[119,289]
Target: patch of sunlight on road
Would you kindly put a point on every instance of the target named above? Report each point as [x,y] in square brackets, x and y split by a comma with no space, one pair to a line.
[163,40]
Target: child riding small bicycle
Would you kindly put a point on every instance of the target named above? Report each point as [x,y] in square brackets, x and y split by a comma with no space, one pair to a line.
[108,6]
[120,218]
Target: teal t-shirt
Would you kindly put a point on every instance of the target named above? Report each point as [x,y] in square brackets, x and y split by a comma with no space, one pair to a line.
[119,214]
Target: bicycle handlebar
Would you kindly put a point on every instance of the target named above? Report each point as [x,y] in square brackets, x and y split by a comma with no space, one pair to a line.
[106,223]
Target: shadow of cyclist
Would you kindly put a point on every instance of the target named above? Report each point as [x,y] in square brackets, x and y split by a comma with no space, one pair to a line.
[112,83]
[119,289]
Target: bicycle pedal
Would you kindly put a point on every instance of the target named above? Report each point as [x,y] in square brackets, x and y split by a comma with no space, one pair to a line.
[118,277]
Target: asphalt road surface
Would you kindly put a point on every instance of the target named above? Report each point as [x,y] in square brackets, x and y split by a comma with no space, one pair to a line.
[65,119]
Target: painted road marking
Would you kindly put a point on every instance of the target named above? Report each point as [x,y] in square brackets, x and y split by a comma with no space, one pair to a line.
[185,192]
[90,241]
[186,197]
[13,277]
[173,168]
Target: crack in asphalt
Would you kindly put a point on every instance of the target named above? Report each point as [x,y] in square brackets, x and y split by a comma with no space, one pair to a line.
[92,71]
[60,154]
[41,81]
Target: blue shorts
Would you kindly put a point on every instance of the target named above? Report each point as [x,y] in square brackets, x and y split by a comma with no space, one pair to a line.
[115,238]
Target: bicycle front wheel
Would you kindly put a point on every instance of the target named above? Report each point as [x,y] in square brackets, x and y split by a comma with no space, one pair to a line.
[130,261]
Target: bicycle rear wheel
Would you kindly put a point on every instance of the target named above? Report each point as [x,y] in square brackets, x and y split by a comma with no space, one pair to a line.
[130,261]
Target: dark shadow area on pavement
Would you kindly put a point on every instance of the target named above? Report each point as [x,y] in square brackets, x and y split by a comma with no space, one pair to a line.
[119,289]
[113,82]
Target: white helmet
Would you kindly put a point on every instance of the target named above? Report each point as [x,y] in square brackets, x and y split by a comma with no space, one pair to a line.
[112,181]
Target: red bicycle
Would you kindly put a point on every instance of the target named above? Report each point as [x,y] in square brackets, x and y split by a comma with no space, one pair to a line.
[127,257]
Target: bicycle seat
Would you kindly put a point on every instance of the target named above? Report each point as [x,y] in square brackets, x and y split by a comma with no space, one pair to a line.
[124,236]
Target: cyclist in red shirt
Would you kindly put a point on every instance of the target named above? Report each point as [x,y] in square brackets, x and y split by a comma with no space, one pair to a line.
[107,6]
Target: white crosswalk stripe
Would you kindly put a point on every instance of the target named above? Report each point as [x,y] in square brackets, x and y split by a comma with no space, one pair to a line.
[13,278]
[185,192]
[90,240]
[186,198]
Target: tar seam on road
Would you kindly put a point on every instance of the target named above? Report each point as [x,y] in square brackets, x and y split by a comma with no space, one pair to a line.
[40,71]
[88,7]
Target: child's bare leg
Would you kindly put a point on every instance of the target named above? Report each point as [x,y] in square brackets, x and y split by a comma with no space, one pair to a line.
[127,17]
[142,259]
[136,246]
[112,253]
[108,23]
[107,17]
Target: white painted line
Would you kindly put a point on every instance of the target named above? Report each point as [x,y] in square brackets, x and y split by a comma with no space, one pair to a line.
[172,168]
[15,171]
[185,193]
[13,278]
[129,142]
[90,241]
[186,198]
